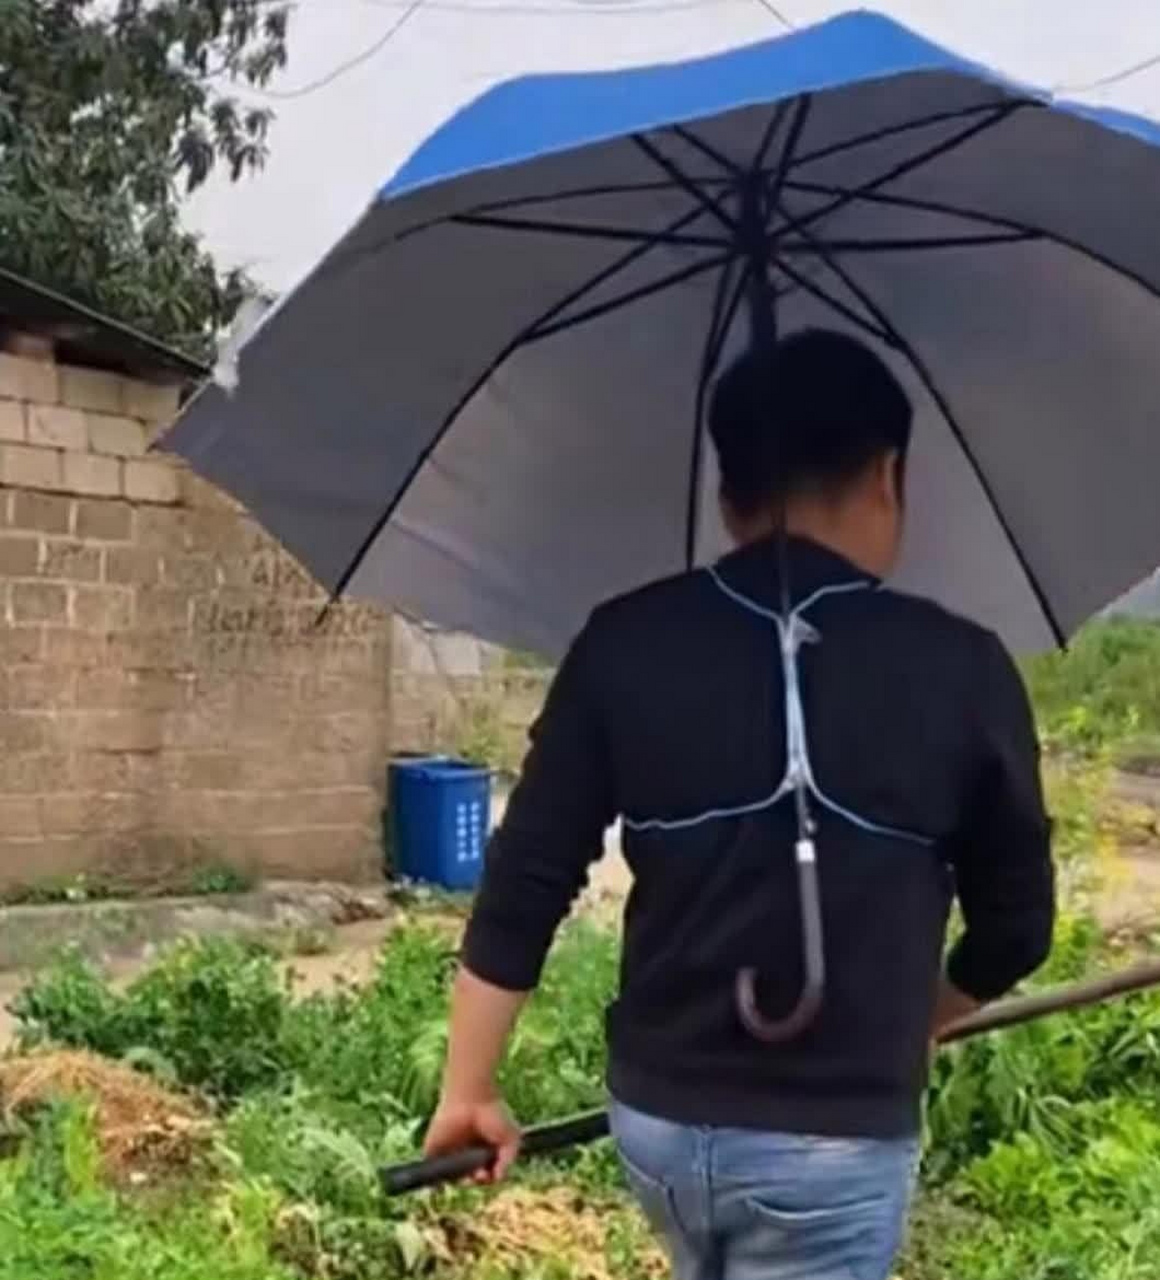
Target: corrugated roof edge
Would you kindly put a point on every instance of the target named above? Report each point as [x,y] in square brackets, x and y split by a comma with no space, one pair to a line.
[104,340]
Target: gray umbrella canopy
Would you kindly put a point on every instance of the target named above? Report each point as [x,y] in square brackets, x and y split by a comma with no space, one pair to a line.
[484,405]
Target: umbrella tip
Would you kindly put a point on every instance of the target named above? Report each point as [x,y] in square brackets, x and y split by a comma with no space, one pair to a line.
[250,314]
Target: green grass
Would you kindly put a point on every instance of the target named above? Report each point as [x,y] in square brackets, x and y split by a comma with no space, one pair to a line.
[1043,1143]
[314,1095]
[1103,693]
[1079,1200]
[58,1222]
[206,880]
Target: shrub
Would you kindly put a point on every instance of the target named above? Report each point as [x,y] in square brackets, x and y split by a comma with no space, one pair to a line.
[1104,691]
[70,1004]
[214,1010]
[1084,1209]
[1042,1161]
[1030,1079]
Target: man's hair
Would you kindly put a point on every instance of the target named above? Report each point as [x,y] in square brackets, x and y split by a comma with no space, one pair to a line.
[810,413]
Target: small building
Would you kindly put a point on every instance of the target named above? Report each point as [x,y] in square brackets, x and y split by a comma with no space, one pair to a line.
[168,699]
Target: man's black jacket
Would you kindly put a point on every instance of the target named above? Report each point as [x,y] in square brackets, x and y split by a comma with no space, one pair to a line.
[670,706]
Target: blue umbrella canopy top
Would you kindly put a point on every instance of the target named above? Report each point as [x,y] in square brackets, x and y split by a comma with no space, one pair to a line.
[485,404]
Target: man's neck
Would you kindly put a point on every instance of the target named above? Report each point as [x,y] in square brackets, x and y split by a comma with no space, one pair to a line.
[840,538]
[827,528]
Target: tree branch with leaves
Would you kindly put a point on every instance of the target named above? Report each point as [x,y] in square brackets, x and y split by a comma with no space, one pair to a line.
[110,112]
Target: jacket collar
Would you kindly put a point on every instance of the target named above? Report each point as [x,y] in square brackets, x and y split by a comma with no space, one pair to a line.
[755,570]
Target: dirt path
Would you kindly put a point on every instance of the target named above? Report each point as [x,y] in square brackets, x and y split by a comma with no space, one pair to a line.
[1131,895]
[352,958]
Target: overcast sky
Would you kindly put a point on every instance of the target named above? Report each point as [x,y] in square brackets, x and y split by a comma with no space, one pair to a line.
[333,144]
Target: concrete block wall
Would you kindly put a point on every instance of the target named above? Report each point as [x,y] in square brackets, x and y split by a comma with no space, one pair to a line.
[486,716]
[166,697]
[451,692]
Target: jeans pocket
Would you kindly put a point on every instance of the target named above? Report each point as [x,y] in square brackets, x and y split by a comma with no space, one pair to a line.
[845,1241]
[655,1198]
[853,1215]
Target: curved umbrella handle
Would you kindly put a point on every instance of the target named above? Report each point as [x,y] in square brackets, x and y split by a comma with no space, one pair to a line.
[777,1031]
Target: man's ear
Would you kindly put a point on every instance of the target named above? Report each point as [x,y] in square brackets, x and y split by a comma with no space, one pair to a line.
[729,517]
[742,528]
[891,473]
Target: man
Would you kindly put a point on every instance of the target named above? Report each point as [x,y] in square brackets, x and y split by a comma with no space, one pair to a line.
[793,1160]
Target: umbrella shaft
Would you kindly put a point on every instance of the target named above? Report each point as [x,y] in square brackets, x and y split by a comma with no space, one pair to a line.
[755,249]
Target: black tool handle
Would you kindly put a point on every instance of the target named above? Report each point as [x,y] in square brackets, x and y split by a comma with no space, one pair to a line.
[586,1128]
[1080,995]
[398,1179]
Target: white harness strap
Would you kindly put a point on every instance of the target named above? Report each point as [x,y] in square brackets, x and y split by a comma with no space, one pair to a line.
[793,631]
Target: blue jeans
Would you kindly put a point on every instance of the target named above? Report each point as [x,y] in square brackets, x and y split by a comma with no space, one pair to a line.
[732,1204]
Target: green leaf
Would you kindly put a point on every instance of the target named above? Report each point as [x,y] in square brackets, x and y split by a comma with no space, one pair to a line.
[412,1247]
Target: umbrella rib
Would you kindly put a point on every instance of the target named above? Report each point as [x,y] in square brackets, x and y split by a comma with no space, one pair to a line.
[586,193]
[815,290]
[1032,231]
[785,162]
[916,203]
[717,180]
[899,170]
[700,180]
[870,246]
[678,175]
[591,231]
[698,143]
[501,206]
[725,306]
[771,132]
[638,294]
[570,299]
[909,126]
[732,170]
[924,375]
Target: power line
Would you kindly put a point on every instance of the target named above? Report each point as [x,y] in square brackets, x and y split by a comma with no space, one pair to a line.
[1115,77]
[566,9]
[772,9]
[336,73]
[607,10]
[412,8]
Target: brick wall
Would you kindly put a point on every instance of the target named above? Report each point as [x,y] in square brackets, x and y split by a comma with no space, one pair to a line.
[166,697]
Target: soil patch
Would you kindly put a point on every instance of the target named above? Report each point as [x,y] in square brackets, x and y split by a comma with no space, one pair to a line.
[519,1226]
[144,1132]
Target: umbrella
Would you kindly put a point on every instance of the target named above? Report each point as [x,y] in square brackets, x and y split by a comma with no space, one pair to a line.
[483,406]
[486,403]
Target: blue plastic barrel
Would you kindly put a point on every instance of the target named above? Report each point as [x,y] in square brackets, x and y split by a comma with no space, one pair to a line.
[400,761]
[441,817]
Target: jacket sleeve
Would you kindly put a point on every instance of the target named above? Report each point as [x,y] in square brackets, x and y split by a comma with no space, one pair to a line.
[554,826]
[1003,869]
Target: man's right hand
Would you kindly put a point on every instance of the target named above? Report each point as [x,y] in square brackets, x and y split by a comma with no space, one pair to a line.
[951,1006]
[462,1123]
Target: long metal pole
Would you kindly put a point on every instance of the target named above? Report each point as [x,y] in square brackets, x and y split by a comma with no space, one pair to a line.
[398,1179]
